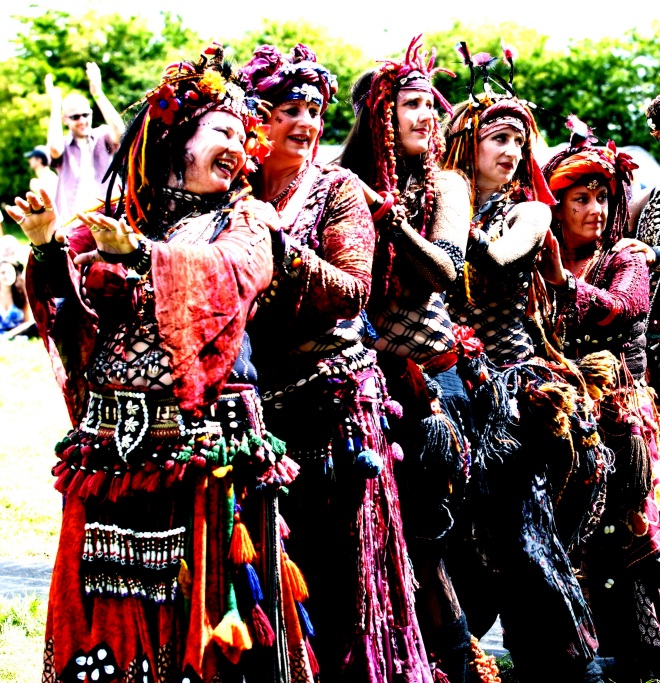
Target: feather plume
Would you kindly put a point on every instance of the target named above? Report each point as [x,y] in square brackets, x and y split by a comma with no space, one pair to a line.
[581,134]
[464,53]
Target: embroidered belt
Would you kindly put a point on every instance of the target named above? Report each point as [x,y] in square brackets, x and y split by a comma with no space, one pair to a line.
[128,416]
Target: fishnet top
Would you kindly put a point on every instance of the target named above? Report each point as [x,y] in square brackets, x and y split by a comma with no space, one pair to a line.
[499,281]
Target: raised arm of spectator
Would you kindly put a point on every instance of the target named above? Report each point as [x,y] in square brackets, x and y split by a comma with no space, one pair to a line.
[55,132]
[110,114]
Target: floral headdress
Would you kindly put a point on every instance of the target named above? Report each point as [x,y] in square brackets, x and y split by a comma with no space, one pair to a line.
[488,111]
[277,78]
[186,92]
[414,72]
[582,161]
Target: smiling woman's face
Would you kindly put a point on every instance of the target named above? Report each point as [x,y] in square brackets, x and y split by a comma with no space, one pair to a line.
[215,153]
[414,113]
[294,129]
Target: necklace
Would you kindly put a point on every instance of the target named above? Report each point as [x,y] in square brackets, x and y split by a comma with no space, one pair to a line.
[278,202]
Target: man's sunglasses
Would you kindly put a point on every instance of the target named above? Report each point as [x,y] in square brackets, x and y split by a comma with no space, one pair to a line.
[77,117]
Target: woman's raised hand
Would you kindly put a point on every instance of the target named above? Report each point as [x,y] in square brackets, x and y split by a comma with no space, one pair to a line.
[111,236]
[37,218]
[549,261]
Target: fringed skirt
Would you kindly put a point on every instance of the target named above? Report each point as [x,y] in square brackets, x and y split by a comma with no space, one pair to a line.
[623,556]
[169,564]
[347,530]
[540,455]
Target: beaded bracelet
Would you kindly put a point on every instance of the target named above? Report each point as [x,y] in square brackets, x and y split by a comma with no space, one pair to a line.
[385,206]
[139,259]
[44,252]
[454,252]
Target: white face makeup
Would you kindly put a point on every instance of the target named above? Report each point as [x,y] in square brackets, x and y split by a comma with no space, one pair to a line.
[214,154]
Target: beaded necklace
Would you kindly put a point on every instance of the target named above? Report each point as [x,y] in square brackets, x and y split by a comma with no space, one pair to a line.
[283,197]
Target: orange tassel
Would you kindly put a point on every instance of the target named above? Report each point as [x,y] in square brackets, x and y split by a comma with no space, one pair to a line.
[232,636]
[295,579]
[241,549]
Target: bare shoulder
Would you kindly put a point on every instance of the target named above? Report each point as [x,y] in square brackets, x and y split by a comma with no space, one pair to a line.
[533,215]
[452,181]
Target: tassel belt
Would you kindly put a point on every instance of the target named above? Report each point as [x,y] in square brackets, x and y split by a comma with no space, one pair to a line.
[128,416]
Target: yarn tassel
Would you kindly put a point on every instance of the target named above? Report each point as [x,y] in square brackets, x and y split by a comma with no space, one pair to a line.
[313,662]
[305,621]
[278,446]
[284,528]
[295,578]
[241,548]
[263,631]
[254,583]
[639,460]
[232,636]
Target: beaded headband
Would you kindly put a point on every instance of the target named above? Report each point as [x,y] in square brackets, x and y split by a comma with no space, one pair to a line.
[278,78]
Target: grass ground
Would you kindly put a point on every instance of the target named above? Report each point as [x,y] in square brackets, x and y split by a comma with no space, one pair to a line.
[34,418]
[22,624]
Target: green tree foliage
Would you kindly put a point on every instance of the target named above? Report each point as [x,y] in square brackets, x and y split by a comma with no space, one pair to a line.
[607,83]
[131,57]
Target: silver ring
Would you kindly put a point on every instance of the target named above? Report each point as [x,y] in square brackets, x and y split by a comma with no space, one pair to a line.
[22,220]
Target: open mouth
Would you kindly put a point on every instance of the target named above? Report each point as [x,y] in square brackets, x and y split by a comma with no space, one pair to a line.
[225,165]
[299,139]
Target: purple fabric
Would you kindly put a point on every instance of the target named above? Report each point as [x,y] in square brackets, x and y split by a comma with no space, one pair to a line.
[68,168]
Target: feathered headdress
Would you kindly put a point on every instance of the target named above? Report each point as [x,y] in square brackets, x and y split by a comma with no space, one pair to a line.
[482,113]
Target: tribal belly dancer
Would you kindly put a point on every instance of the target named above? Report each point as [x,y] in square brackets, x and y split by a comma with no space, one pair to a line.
[422,216]
[325,394]
[601,302]
[143,312]
[518,566]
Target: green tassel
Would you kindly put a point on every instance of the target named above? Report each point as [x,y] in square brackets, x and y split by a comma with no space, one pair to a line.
[255,441]
[244,448]
[278,446]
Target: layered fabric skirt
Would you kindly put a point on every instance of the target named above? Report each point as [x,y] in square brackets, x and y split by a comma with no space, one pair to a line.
[171,564]
[346,523]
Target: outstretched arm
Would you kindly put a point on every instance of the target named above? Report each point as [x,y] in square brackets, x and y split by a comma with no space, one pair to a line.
[110,114]
[55,139]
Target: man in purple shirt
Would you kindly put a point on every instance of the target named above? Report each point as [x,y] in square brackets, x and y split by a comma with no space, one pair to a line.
[83,155]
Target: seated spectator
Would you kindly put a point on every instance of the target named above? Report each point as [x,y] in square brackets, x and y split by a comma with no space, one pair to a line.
[45,177]
[15,315]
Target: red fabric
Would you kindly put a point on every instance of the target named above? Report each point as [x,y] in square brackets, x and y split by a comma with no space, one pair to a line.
[621,293]
[336,279]
[204,296]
